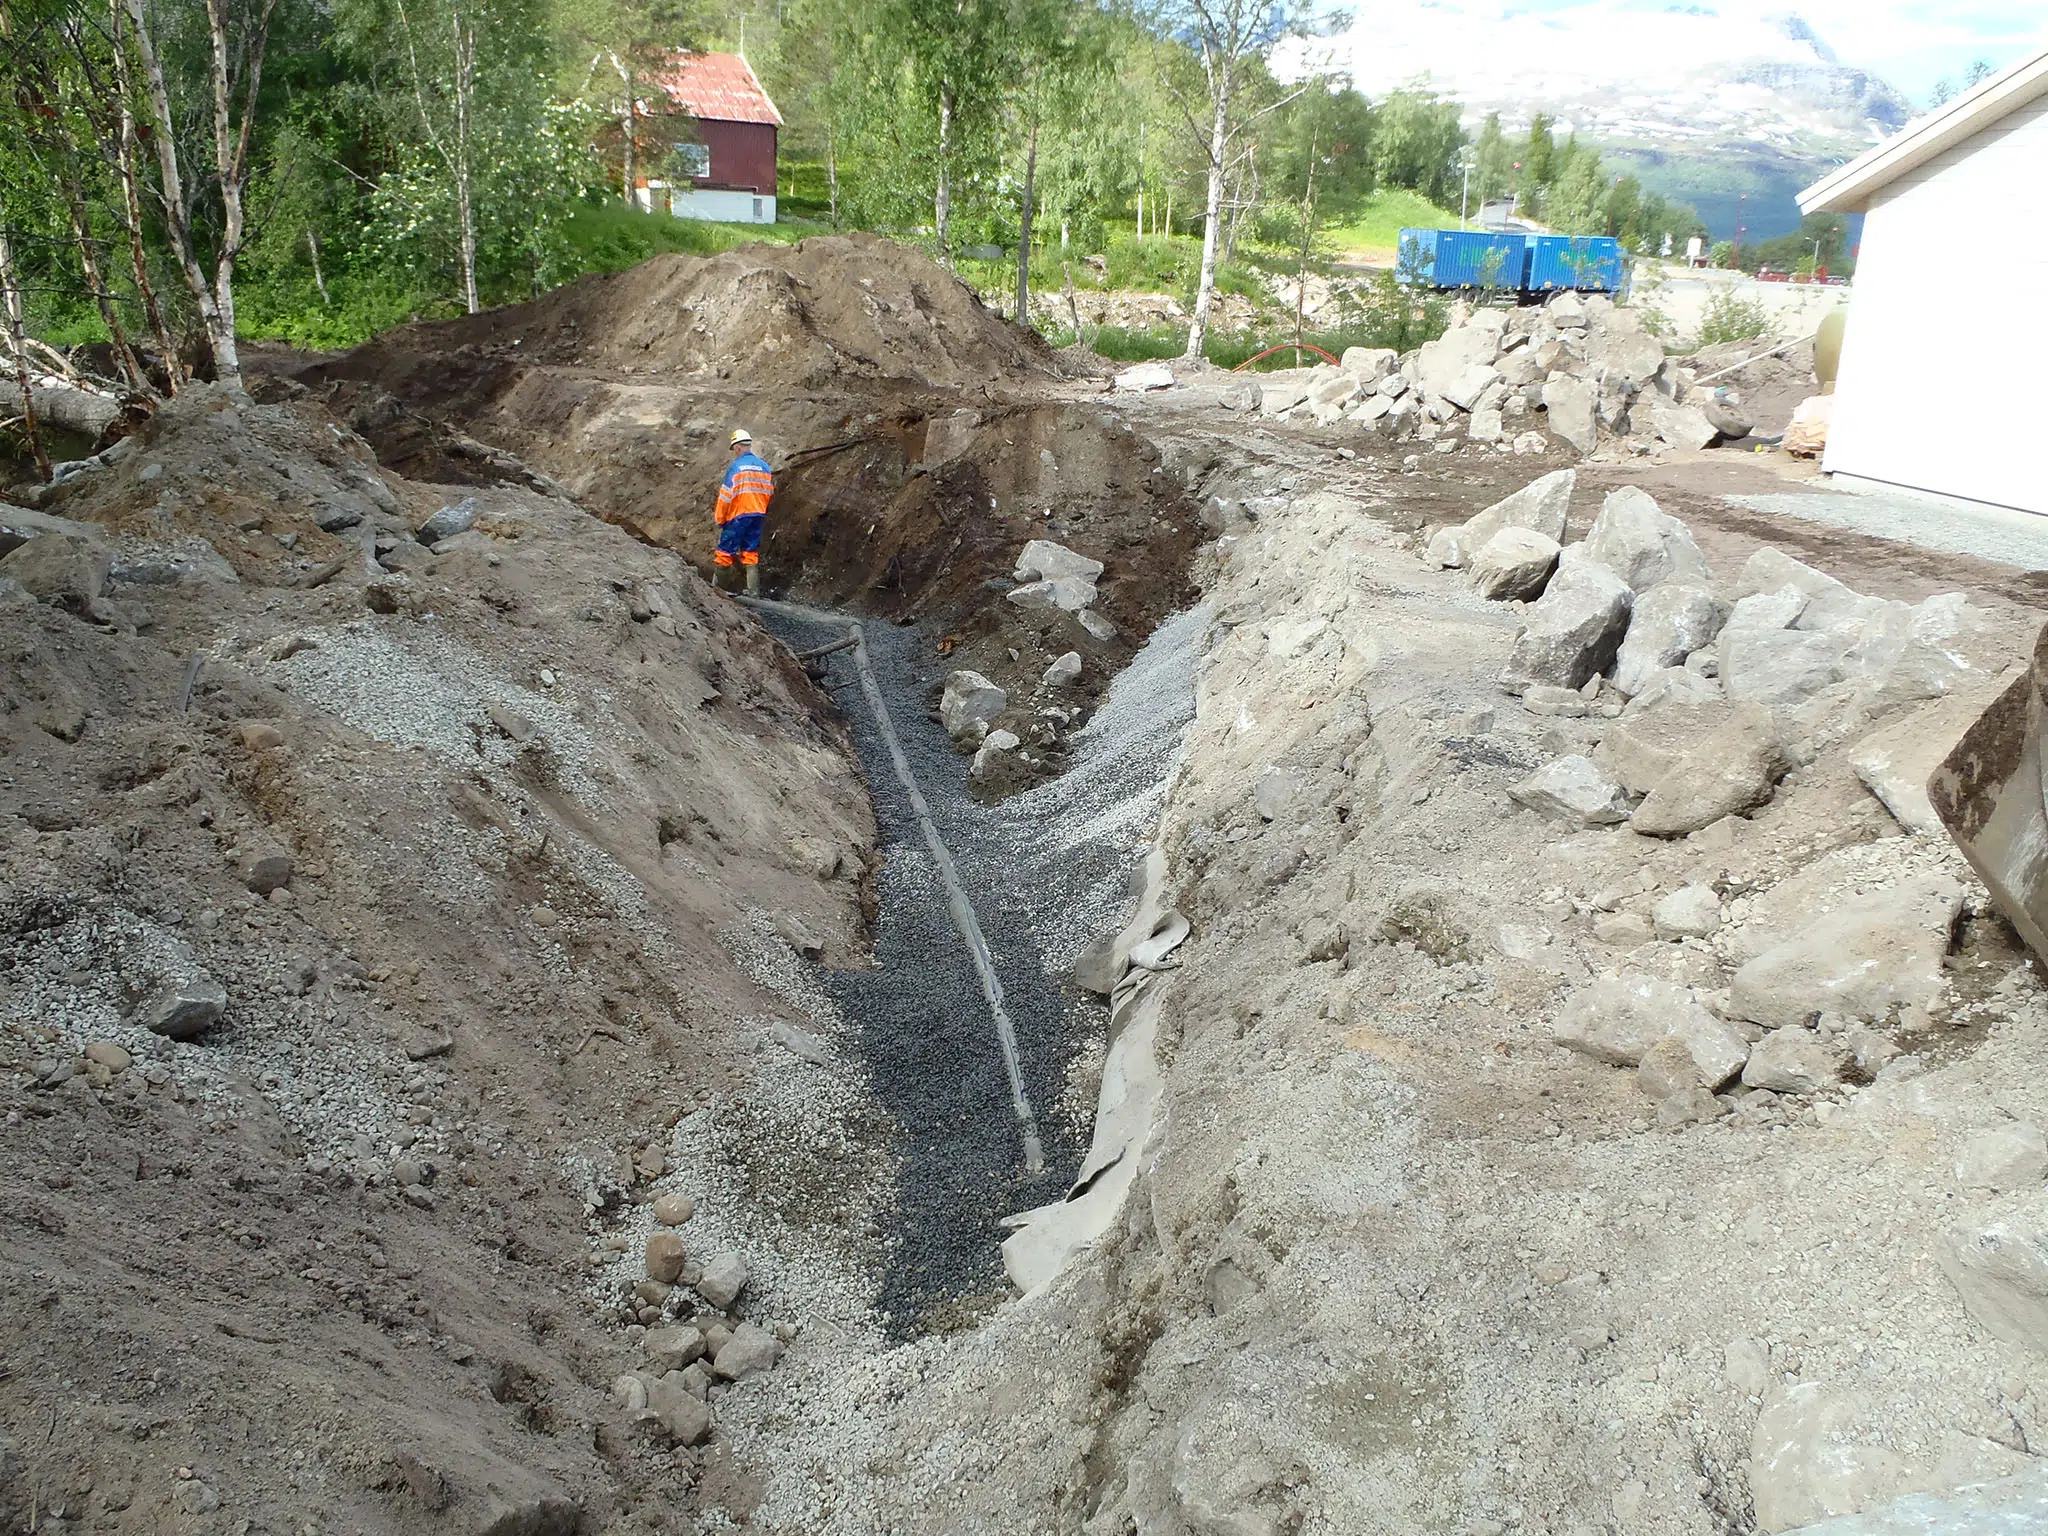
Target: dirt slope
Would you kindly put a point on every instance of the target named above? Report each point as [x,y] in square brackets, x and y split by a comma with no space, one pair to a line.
[823,312]
[323,1266]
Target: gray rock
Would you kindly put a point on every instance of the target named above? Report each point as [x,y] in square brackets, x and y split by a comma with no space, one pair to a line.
[185,1010]
[1624,351]
[750,1349]
[1540,506]
[672,1348]
[723,1280]
[1666,625]
[1143,377]
[1780,669]
[685,1416]
[1242,396]
[1097,625]
[1570,404]
[1567,312]
[1069,594]
[967,705]
[19,524]
[263,867]
[674,1210]
[1769,569]
[665,1256]
[1876,953]
[508,720]
[995,748]
[2007,1157]
[1471,383]
[406,555]
[1043,560]
[1573,790]
[1896,760]
[1328,396]
[1623,930]
[1792,1061]
[1616,1019]
[1718,1051]
[334,512]
[1691,912]
[1514,564]
[1634,538]
[2000,1269]
[1441,363]
[457,517]
[60,569]
[1371,364]
[1572,632]
[1487,426]
[1283,392]
[1815,1453]
[1734,768]
[1065,670]
[1767,610]
[801,1043]
[1667,1068]
[1680,425]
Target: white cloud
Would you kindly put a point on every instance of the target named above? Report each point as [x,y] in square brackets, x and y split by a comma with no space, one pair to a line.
[1528,50]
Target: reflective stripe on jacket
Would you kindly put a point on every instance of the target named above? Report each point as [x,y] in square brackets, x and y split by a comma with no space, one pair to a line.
[748,485]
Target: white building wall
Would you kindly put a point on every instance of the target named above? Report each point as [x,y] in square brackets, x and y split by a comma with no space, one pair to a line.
[1939,388]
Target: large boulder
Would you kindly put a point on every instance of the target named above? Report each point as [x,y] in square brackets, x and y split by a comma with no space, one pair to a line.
[1541,506]
[60,569]
[1573,790]
[1879,952]
[1465,390]
[1652,738]
[2000,1269]
[1370,363]
[1778,668]
[1666,625]
[1620,349]
[1069,594]
[1896,760]
[1680,426]
[1514,564]
[1570,403]
[1617,1019]
[1441,363]
[967,705]
[1643,545]
[1572,632]
[1734,768]
[1043,560]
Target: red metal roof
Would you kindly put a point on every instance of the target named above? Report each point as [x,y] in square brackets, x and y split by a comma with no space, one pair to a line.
[719,86]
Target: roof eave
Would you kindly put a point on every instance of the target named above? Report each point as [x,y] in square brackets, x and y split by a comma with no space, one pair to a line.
[1850,188]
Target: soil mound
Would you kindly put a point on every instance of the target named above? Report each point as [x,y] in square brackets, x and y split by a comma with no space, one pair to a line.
[809,315]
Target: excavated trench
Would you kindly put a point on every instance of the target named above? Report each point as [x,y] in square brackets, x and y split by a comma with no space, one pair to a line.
[904,509]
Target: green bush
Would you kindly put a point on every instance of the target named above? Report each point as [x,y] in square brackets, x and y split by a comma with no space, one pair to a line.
[1729,317]
[1154,263]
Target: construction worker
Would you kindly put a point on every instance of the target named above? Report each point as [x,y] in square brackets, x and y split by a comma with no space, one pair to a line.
[742,509]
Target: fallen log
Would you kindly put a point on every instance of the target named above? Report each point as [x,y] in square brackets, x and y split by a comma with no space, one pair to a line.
[84,411]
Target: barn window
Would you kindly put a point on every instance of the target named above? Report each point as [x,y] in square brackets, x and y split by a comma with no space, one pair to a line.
[693,160]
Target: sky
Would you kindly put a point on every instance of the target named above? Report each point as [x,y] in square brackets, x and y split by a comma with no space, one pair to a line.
[1909,43]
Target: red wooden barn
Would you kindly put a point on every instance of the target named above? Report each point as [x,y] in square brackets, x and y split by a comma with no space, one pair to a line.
[729,173]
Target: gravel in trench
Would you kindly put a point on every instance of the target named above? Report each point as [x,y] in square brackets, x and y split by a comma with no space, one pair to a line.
[920,1019]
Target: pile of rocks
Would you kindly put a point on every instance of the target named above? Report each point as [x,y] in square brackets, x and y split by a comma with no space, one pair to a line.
[1578,369]
[690,1354]
[1702,695]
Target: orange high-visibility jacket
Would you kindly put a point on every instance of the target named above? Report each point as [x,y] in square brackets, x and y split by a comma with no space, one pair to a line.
[745,491]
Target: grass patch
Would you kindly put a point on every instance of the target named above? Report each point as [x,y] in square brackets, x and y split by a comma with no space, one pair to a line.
[612,237]
[1375,230]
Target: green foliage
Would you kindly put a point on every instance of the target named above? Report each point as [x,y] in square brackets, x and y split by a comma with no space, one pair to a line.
[1729,317]
[1415,142]
[1723,254]
[1375,225]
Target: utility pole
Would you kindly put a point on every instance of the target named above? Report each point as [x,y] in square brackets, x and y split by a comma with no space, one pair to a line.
[1465,192]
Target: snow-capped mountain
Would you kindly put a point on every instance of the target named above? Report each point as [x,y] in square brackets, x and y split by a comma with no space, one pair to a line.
[1731,106]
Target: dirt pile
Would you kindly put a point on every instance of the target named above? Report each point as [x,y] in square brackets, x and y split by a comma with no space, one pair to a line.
[825,312]
[373,904]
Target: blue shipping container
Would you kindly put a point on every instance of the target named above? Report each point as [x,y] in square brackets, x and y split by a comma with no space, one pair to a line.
[1461,258]
[1588,263]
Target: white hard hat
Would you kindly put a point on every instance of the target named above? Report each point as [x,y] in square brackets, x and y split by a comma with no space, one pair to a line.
[739,435]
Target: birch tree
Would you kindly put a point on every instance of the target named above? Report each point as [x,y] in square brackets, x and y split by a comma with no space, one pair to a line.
[235,42]
[1225,37]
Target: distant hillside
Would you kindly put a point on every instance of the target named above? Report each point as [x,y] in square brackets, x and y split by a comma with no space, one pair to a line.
[1732,107]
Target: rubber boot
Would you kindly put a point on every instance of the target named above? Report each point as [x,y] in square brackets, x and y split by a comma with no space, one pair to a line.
[753,581]
[717,578]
